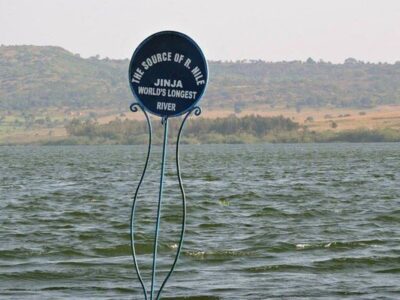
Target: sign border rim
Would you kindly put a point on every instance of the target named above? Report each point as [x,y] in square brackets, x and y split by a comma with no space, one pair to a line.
[141,45]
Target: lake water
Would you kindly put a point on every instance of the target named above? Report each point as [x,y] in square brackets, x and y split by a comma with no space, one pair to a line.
[264,221]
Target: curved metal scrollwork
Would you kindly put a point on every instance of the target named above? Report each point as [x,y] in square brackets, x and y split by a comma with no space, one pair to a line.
[164,121]
[197,111]
[134,108]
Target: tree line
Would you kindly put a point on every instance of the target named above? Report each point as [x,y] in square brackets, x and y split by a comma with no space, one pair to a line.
[228,130]
[200,130]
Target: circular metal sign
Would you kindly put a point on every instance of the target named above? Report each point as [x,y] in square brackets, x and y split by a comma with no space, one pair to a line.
[168,73]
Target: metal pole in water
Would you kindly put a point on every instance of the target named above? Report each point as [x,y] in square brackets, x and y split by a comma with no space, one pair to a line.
[183,66]
[164,154]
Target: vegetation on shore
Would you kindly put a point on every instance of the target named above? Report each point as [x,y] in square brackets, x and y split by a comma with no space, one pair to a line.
[42,90]
[229,130]
[249,129]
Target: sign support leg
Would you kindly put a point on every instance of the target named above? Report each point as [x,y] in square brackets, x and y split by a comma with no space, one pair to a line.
[134,108]
[197,111]
[164,154]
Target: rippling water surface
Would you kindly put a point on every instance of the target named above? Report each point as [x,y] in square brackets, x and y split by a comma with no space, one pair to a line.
[264,221]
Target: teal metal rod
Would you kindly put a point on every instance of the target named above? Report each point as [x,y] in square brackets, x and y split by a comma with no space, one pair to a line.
[163,162]
[134,108]
[197,111]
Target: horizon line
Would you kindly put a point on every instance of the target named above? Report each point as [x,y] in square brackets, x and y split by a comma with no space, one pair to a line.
[309,60]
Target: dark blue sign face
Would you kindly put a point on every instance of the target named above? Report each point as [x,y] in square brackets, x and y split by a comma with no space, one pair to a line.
[168,73]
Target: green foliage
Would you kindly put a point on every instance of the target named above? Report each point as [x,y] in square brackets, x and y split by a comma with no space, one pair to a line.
[299,84]
[361,136]
[348,136]
[32,76]
[231,129]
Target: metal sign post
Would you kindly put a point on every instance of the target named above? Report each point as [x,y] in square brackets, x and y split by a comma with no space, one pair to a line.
[168,75]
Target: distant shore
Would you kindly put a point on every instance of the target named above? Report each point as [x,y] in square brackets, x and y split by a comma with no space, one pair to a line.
[292,136]
[322,125]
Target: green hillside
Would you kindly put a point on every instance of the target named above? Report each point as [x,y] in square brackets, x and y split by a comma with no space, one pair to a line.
[38,77]
[32,76]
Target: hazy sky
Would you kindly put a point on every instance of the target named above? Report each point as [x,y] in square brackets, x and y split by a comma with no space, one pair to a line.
[226,29]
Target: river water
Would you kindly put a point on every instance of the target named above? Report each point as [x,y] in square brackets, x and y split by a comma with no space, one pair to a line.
[264,221]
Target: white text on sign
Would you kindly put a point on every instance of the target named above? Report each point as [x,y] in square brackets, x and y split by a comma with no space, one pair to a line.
[163,57]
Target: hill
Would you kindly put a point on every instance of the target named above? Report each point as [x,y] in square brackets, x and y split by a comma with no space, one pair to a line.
[32,76]
[45,76]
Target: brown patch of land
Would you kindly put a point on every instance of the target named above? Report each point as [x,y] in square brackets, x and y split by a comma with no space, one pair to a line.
[320,119]
[32,136]
[316,119]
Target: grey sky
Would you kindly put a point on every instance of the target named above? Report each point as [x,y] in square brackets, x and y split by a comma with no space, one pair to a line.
[226,29]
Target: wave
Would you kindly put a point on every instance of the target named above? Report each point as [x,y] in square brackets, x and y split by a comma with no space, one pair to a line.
[342,263]
[392,217]
[339,245]
[274,212]
[278,268]
[335,264]
[122,250]
[219,254]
